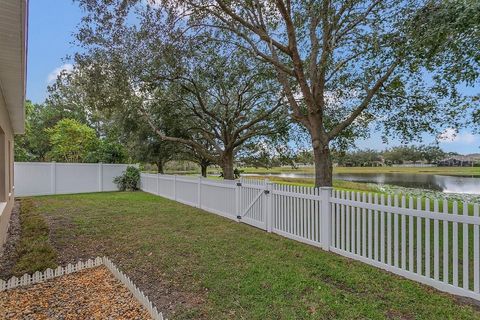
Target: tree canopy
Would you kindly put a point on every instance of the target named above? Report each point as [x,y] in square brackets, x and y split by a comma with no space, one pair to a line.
[338,65]
[71,141]
[209,97]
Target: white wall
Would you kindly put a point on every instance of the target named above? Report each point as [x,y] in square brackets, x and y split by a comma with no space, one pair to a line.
[44,178]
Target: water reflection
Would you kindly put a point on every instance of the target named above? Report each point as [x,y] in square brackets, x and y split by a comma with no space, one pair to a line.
[448,184]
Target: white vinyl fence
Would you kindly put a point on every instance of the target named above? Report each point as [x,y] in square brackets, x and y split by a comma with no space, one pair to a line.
[433,242]
[44,178]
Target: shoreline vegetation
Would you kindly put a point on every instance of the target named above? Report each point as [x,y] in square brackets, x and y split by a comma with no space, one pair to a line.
[264,173]
[445,171]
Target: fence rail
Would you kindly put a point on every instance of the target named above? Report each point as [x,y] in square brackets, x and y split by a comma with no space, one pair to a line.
[433,242]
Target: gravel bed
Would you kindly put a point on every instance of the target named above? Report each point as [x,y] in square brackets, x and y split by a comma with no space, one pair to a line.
[88,294]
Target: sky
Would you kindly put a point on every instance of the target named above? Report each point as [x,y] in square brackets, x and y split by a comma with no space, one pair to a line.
[51,27]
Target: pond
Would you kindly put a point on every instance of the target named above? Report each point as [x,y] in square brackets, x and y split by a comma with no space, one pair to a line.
[448,184]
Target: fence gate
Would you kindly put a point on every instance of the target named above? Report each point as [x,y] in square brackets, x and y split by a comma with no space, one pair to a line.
[253,202]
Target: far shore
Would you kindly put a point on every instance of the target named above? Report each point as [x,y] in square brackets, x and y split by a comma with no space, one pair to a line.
[448,171]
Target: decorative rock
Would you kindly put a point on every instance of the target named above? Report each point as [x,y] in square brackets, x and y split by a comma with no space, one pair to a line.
[92,293]
[68,296]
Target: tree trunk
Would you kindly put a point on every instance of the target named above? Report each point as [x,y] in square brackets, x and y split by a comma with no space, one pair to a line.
[160,167]
[227,165]
[323,165]
[204,169]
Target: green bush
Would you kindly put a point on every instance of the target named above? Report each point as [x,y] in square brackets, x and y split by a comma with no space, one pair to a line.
[129,181]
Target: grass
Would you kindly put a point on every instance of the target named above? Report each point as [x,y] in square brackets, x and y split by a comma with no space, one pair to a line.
[450,171]
[34,250]
[197,265]
[308,182]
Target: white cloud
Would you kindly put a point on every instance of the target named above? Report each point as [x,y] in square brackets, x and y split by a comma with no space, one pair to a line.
[451,135]
[52,76]
[153,3]
[448,135]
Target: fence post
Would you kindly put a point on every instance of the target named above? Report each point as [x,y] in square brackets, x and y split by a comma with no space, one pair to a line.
[325,217]
[100,177]
[269,206]
[237,198]
[175,187]
[158,184]
[53,177]
[199,192]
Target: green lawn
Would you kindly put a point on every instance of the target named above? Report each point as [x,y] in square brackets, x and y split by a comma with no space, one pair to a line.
[197,265]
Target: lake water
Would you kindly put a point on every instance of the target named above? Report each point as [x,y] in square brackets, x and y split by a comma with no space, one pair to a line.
[448,184]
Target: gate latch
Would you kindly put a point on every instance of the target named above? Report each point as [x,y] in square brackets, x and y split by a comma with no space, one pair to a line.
[267,191]
[239,184]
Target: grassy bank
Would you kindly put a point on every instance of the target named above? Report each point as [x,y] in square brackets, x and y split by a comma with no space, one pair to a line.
[451,171]
[197,265]
[448,171]
[309,182]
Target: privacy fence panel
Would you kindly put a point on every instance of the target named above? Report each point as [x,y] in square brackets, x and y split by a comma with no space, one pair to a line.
[166,186]
[149,183]
[110,172]
[32,179]
[45,178]
[187,190]
[219,197]
[76,178]
[215,196]
[430,241]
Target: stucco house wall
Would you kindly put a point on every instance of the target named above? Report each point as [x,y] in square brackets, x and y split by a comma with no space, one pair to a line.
[6,169]
[13,56]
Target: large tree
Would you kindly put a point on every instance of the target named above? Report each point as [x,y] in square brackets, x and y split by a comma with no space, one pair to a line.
[145,146]
[346,63]
[341,64]
[34,145]
[191,154]
[217,98]
[71,141]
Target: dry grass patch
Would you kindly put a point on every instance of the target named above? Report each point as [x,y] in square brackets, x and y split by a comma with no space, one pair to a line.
[34,250]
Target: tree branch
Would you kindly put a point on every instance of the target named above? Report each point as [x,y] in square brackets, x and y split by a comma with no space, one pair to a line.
[364,104]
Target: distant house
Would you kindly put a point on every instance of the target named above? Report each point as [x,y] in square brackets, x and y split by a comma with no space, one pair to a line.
[460,161]
[13,42]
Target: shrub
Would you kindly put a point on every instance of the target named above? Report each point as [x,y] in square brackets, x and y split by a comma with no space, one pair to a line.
[129,181]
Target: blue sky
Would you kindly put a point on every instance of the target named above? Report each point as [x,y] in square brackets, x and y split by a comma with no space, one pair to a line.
[51,27]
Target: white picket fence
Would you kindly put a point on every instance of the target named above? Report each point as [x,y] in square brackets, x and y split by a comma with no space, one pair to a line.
[45,178]
[421,239]
[137,293]
[38,277]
